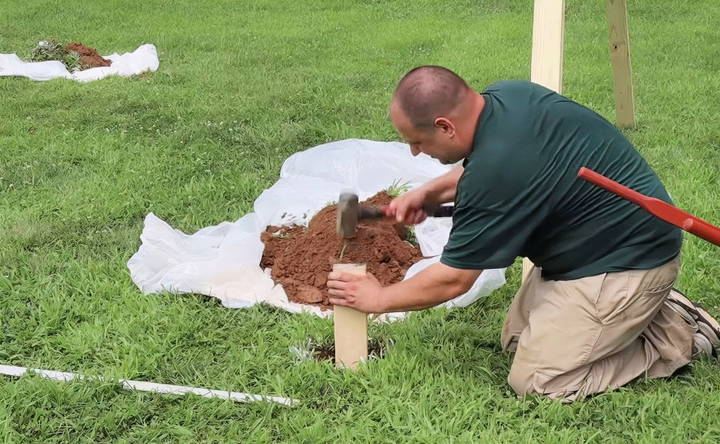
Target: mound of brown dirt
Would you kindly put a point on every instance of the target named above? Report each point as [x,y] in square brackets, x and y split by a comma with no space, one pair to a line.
[89,57]
[301,258]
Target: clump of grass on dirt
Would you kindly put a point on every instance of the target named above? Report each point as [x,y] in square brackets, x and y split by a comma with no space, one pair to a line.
[397,188]
[51,50]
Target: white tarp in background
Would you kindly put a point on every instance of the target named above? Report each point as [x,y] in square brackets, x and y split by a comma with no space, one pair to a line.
[143,59]
[223,260]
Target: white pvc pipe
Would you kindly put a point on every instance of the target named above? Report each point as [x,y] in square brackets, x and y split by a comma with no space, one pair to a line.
[154,387]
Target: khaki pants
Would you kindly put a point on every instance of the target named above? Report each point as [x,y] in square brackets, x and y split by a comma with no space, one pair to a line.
[575,338]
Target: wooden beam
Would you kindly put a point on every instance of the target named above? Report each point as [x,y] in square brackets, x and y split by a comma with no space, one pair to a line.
[620,57]
[351,341]
[546,65]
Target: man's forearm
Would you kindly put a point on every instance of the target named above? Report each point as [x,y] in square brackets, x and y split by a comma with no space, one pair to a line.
[432,286]
[442,189]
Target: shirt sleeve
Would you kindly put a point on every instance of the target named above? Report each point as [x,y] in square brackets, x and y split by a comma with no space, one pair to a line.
[496,214]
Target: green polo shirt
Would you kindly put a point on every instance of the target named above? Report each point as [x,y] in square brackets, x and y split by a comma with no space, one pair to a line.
[519,194]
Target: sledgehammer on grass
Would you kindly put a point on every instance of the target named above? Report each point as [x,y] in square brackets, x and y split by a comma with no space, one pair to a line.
[349,212]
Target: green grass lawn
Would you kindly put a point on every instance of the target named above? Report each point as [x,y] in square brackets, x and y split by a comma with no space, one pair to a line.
[241,86]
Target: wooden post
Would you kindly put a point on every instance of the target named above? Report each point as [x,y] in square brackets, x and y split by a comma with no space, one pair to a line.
[546,64]
[351,341]
[620,57]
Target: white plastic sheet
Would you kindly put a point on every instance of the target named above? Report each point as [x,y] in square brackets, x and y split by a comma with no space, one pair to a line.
[143,59]
[223,260]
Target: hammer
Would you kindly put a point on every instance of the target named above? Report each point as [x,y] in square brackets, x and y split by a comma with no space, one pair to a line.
[349,212]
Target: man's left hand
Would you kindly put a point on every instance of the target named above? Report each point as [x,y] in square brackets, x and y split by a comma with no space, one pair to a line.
[362,293]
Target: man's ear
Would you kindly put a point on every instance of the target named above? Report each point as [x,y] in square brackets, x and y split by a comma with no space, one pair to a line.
[445,125]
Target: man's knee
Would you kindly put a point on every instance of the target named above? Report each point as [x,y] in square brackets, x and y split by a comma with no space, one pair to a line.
[520,379]
[526,379]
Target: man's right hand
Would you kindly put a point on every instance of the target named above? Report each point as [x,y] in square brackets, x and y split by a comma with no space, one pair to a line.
[408,208]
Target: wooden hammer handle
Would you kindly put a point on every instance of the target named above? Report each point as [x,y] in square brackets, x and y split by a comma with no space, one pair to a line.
[369,212]
[440,211]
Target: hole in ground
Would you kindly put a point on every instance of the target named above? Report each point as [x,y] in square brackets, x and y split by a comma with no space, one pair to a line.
[376,350]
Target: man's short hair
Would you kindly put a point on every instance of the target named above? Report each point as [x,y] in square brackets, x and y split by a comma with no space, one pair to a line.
[429,91]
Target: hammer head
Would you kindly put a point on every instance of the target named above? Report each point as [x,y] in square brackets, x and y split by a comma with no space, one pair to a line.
[347,215]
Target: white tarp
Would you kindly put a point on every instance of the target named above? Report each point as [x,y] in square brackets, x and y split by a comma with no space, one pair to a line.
[143,59]
[223,260]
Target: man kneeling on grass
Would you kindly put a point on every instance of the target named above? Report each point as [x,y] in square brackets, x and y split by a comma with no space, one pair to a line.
[598,309]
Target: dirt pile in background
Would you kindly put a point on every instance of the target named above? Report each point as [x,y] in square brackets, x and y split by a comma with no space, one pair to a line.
[75,56]
[89,57]
[301,258]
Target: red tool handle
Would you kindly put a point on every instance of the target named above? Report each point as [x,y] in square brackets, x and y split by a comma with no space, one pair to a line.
[656,207]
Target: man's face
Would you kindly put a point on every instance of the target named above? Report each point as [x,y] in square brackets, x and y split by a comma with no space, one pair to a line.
[438,142]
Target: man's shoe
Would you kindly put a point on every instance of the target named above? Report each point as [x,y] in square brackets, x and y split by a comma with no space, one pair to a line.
[706,339]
